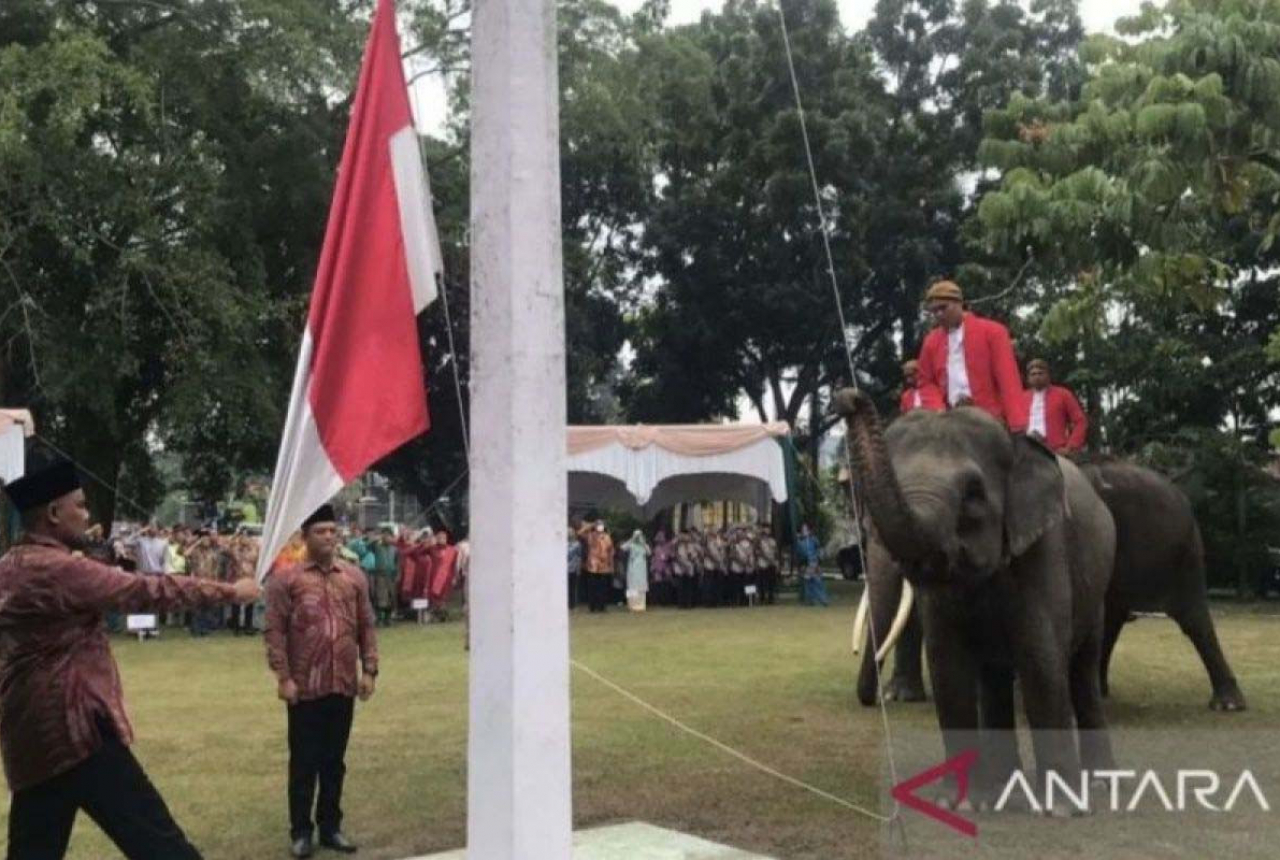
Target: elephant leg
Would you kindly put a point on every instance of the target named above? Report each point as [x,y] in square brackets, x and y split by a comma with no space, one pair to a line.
[1040,634]
[1086,699]
[1197,625]
[1112,625]
[1000,756]
[884,588]
[953,670]
[907,683]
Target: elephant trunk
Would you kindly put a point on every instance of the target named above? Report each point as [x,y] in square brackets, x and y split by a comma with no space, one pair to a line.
[895,522]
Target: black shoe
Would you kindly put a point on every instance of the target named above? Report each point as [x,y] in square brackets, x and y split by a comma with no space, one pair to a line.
[301,847]
[338,842]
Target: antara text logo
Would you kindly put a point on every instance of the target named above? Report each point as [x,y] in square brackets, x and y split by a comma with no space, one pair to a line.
[1121,791]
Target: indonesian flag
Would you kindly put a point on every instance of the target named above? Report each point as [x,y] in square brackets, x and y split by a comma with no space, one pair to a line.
[360,391]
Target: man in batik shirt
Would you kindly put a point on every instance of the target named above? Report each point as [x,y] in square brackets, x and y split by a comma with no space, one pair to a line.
[322,648]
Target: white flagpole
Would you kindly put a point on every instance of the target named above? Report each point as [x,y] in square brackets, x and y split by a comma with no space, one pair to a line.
[518,780]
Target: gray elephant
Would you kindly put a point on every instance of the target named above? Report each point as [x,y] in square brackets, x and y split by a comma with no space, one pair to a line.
[1159,568]
[1010,551]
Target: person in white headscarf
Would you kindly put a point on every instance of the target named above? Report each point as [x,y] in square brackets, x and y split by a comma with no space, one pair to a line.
[637,571]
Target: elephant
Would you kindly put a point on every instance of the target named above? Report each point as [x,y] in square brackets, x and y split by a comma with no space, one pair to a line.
[1009,550]
[1159,568]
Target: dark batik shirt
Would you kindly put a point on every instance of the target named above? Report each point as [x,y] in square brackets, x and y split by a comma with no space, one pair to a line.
[58,679]
[320,628]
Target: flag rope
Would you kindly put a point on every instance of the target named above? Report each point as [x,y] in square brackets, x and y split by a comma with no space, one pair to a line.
[853,381]
[725,748]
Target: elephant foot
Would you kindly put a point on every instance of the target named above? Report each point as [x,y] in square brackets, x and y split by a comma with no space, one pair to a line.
[1228,699]
[903,689]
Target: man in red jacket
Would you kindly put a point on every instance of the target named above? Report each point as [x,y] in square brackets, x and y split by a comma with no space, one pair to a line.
[1053,413]
[968,360]
[912,395]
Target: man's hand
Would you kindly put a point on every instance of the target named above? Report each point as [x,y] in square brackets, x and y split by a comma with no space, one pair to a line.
[367,683]
[247,590]
[288,691]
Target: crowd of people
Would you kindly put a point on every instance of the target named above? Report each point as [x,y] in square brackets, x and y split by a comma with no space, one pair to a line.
[200,553]
[694,567]
[401,566]
[409,566]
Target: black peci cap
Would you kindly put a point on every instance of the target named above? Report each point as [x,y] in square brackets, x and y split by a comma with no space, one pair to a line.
[39,488]
[322,514]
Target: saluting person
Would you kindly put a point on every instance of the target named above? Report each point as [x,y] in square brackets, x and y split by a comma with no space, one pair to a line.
[64,734]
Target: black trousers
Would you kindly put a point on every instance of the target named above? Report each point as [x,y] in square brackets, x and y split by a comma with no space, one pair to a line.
[114,790]
[711,588]
[318,734]
[688,588]
[598,587]
[573,590]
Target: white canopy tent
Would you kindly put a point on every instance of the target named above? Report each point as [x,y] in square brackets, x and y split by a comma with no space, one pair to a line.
[646,468]
[15,426]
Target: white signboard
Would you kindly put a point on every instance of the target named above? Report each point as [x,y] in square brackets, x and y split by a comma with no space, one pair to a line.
[420,603]
[136,623]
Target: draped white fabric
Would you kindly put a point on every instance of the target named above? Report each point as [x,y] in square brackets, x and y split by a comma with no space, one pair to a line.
[12,456]
[652,478]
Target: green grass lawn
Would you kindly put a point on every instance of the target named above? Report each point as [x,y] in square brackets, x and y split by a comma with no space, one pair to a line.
[774,682]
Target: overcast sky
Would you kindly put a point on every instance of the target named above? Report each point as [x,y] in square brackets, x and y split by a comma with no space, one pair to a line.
[428,94]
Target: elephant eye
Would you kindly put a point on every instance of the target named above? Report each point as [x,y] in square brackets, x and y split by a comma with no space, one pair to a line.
[974,491]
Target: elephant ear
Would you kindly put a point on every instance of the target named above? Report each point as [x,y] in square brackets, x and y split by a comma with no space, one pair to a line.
[1035,497]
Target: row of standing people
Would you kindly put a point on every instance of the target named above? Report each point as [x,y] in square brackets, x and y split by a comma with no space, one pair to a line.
[199,553]
[716,567]
[407,567]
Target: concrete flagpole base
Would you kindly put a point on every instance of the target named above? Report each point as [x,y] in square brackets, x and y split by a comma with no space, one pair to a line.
[637,840]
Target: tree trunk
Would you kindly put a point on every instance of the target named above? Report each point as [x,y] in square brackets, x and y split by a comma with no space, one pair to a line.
[815,433]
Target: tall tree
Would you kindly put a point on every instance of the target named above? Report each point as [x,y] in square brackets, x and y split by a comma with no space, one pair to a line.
[742,304]
[1146,209]
[160,164]
[1148,205]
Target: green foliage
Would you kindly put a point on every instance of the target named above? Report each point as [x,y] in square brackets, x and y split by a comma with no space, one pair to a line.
[742,303]
[1148,208]
[161,180]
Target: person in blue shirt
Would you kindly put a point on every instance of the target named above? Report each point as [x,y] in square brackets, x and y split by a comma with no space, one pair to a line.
[813,589]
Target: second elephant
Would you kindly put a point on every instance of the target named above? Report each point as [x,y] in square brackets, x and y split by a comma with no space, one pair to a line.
[1159,568]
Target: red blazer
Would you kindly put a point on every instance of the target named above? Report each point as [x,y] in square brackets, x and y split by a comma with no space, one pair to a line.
[993,369]
[1064,421]
[928,400]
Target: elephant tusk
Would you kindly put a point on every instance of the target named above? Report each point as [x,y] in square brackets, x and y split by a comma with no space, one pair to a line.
[899,621]
[860,621]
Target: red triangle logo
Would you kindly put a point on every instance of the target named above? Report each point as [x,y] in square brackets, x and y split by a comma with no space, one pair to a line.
[904,792]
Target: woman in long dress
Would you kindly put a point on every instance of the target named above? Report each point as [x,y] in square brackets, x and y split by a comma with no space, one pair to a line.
[637,571]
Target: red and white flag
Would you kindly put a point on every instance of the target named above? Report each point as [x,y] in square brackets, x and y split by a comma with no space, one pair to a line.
[360,390]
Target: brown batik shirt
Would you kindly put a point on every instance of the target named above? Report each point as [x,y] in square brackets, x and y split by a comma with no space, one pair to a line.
[320,628]
[57,676]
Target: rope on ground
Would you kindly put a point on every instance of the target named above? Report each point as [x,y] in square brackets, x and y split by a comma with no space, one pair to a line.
[725,748]
[853,377]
